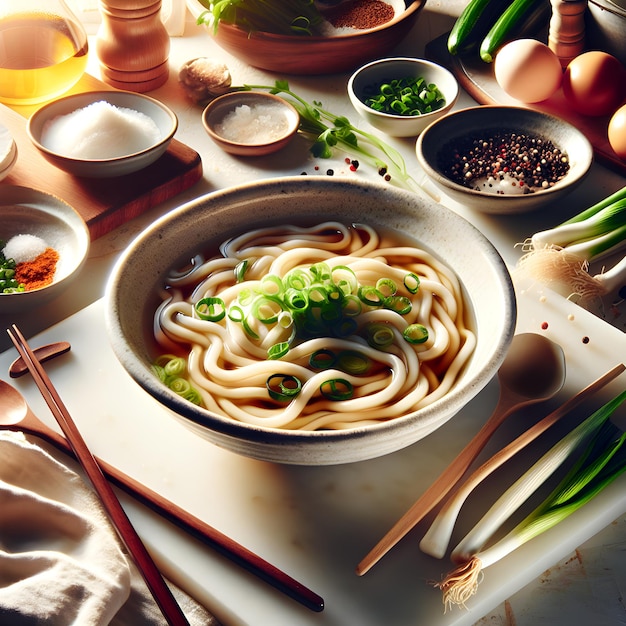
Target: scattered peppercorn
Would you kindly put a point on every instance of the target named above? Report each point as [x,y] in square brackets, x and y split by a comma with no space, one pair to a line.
[330,172]
[585,339]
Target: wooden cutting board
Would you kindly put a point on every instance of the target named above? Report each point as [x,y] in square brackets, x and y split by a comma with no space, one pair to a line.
[103,203]
[477,78]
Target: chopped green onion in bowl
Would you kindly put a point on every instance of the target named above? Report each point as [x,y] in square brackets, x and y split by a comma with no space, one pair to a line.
[405,96]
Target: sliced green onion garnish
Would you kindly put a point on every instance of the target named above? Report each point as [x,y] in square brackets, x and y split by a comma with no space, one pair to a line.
[240,271]
[337,389]
[322,359]
[345,279]
[211,309]
[266,309]
[379,335]
[386,287]
[371,296]
[272,285]
[278,350]
[353,362]
[283,387]
[296,299]
[400,304]
[415,333]
[412,282]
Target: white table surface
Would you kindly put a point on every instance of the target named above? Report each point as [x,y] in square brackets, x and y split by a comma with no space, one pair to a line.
[585,587]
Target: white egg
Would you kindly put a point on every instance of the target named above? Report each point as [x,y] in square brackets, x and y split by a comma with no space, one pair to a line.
[528,70]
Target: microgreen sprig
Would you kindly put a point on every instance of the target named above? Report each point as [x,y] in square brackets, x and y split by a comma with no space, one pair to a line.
[329,131]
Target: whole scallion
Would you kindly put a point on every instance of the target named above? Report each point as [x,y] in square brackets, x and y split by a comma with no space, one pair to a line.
[599,464]
[561,255]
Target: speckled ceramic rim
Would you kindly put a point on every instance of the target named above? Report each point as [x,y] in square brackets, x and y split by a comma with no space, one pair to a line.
[141,269]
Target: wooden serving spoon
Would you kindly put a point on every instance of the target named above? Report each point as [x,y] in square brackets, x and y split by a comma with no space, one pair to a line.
[16,415]
[533,370]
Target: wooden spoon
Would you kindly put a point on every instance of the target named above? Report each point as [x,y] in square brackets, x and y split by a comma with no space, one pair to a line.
[16,415]
[533,370]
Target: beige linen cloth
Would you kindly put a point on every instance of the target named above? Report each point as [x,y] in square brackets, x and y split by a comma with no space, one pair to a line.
[61,563]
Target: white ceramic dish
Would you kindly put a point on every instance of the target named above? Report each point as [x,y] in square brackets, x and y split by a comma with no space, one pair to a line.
[25,211]
[163,117]
[485,121]
[368,77]
[174,239]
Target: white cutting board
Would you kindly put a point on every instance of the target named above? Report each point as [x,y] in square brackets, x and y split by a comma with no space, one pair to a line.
[317,523]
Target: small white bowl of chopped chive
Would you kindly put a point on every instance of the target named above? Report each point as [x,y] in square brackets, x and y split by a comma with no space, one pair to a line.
[504,159]
[102,134]
[401,96]
[43,245]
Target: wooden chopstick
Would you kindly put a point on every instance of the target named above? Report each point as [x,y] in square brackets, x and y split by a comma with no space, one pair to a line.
[156,584]
[428,500]
[196,527]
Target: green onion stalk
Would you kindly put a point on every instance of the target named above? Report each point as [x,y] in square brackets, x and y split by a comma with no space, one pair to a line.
[286,17]
[562,255]
[596,444]
[330,132]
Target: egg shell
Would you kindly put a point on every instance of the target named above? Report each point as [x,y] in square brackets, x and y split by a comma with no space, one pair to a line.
[527,70]
[617,132]
[594,83]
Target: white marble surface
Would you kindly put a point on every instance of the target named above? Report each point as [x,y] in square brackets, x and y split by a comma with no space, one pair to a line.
[586,586]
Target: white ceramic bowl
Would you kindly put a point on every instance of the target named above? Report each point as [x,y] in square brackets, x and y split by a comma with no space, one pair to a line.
[25,211]
[367,78]
[162,116]
[483,122]
[299,55]
[282,116]
[131,298]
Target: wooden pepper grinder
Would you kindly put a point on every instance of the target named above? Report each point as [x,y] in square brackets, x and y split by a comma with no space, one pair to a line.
[566,36]
[132,44]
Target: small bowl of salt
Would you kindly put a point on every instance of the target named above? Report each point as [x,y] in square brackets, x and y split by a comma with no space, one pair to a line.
[250,123]
[101,134]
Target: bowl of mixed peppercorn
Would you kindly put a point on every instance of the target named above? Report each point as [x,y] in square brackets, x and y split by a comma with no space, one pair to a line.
[43,244]
[504,159]
[401,96]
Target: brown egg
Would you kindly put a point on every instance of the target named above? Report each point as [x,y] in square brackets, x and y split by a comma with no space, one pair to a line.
[527,70]
[617,132]
[594,83]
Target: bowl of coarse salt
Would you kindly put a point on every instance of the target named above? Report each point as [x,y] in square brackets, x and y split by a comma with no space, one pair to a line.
[102,134]
[250,123]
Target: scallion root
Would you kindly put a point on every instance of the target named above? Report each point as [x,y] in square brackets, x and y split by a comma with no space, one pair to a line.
[461,584]
[565,272]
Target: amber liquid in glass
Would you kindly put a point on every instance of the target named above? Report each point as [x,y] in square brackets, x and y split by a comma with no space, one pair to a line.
[41,57]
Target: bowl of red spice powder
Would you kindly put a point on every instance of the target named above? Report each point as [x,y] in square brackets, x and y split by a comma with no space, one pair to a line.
[43,245]
[353,32]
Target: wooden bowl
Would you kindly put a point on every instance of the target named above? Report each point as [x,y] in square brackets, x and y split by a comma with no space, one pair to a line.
[313,55]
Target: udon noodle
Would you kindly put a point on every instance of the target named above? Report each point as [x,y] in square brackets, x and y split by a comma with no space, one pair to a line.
[325,327]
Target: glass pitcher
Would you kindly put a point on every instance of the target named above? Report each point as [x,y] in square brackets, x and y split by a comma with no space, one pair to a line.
[43,50]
